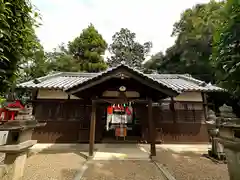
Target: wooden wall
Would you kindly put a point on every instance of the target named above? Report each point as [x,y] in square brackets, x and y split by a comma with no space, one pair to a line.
[189,125]
[68,121]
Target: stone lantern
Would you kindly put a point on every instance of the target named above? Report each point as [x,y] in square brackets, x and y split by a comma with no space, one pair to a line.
[229,137]
[213,123]
[15,136]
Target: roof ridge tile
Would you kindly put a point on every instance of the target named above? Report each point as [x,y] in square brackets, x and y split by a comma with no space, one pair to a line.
[49,76]
[177,82]
[188,77]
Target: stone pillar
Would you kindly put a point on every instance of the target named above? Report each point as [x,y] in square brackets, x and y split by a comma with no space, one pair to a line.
[232,152]
[16,161]
[231,148]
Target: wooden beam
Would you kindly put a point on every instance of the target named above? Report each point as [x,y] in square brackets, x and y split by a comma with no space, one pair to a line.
[111,74]
[151,83]
[92,129]
[136,100]
[90,84]
[191,102]
[152,129]
[62,100]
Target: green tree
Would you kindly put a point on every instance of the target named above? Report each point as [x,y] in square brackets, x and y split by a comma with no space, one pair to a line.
[61,60]
[17,37]
[226,54]
[154,62]
[125,48]
[35,65]
[84,53]
[88,50]
[193,46]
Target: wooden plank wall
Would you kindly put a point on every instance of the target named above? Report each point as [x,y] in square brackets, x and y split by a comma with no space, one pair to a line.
[69,122]
[189,127]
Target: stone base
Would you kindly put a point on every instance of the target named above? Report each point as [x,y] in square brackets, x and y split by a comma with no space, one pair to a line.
[217,149]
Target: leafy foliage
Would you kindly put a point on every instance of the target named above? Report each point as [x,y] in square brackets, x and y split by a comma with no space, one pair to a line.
[84,53]
[34,65]
[62,60]
[88,49]
[125,48]
[154,62]
[17,36]
[193,47]
[226,53]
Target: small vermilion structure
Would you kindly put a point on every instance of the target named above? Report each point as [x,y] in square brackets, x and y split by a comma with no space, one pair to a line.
[8,112]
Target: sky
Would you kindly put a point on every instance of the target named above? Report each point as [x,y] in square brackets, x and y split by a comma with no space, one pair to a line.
[151,20]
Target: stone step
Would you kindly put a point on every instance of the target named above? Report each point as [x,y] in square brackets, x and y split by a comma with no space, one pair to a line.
[120,156]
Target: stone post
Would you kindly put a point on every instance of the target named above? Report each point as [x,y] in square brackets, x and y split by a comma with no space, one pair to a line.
[231,143]
[216,150]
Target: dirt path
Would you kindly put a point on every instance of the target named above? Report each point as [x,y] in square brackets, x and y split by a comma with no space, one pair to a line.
[122,170]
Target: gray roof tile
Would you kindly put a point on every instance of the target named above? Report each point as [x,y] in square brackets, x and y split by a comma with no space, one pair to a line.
[66,80]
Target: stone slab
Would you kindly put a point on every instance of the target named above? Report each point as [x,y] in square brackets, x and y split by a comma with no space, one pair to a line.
[20,127]
[17,147]
[120,152]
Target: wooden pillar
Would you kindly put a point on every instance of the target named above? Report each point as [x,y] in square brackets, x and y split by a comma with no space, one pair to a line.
[172,108]
[34,97]
[205,107]
[92,128]
[152,128]
[34,94]
[175,125]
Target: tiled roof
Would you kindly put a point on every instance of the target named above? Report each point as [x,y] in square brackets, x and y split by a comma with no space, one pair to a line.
[67,80]
[181,82]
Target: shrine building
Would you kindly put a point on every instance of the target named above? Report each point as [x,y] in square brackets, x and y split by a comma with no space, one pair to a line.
[120,104]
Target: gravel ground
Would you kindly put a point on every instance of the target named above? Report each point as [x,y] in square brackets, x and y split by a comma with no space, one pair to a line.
[122,170]
[2,155]
[58,166]
[190,166]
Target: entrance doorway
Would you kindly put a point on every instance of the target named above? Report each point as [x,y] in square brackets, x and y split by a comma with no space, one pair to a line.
[121,124]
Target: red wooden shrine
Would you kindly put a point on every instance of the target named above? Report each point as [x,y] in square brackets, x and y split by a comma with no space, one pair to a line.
[9,112]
